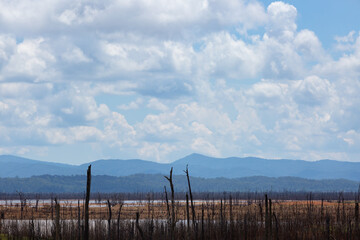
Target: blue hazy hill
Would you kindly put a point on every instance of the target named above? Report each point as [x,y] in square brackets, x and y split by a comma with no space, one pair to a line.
[12,166]
[199,166]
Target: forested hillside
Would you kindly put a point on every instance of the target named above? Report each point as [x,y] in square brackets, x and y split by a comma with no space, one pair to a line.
[156,183]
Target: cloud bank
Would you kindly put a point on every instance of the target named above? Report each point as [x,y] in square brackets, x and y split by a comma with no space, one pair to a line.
[162,79]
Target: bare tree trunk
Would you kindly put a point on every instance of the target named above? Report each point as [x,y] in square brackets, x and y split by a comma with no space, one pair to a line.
[109,219]
[327,227]
[356,216]
[37,202]
[2,217]
[57,220]
[191,201]
[202,222]
[266,218]
[231,216]
[261,214]
[167,203]
[138,226]
[79,221]
[276,227]
[322,209]
[87,199]
[187,212]
[22,203]
[172,205]
[118,221]
[270,218]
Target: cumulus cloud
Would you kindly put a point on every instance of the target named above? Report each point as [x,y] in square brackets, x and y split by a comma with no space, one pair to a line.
[281,18]
[31,59]
[309,45]
[202,146]
[75,55]
[221,78]
[314,91]
[156,151]
[7,47]
[347,66]
[160,17]
[157,105]
[132,105]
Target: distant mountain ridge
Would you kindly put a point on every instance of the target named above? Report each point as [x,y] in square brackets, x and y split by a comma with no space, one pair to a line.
[155,183]
[199,166]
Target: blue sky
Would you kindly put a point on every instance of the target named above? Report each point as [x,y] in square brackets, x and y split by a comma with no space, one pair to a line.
[158,80]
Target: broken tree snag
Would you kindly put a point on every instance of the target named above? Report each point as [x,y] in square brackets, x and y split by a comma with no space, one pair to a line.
[266,217]
[109,219]
[187,212]
[79,221]
[57,220]
[87,199]
[191,200]
[138,226]
[118,220]
[172,204]
[167,203]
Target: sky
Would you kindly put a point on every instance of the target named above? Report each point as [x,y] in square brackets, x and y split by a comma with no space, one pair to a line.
[160,79]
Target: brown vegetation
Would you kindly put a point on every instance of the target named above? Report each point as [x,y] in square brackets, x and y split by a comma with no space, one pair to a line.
[228,217]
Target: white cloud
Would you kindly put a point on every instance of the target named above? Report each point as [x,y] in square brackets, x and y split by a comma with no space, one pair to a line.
[224,55]
[309,45]
[132,105]
[314,91]
[281,20]
[118,131]
[200,129]
[156,151]
[156,104]
[155,127]
[16,90]
[200,145]
[7,47]
[345,39]
[346,67]
[32,58]
[75,55]
[219,77]
[268,91]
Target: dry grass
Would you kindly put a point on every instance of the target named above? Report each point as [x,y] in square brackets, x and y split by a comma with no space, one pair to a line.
[215,219]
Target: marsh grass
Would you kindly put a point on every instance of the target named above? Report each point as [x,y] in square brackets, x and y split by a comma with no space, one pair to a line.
[225,218]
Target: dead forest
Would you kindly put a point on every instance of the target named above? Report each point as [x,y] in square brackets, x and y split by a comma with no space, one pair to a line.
[170,215]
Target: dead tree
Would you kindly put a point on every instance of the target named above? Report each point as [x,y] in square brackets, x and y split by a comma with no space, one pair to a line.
[37,197]
[22,203]
[356,215]
[187,212]
[191,201]
[79,221]
[87,199]
[167,204]
[57,220]
[109,219]
[138,226]
[270,218]
[266,218]
[172,229]
[118,220]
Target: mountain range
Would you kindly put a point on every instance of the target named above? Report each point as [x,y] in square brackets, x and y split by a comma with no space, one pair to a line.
[199,166]
[146,183]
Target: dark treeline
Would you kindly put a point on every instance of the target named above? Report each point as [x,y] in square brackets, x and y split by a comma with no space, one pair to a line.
[142,196]
[155,183]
